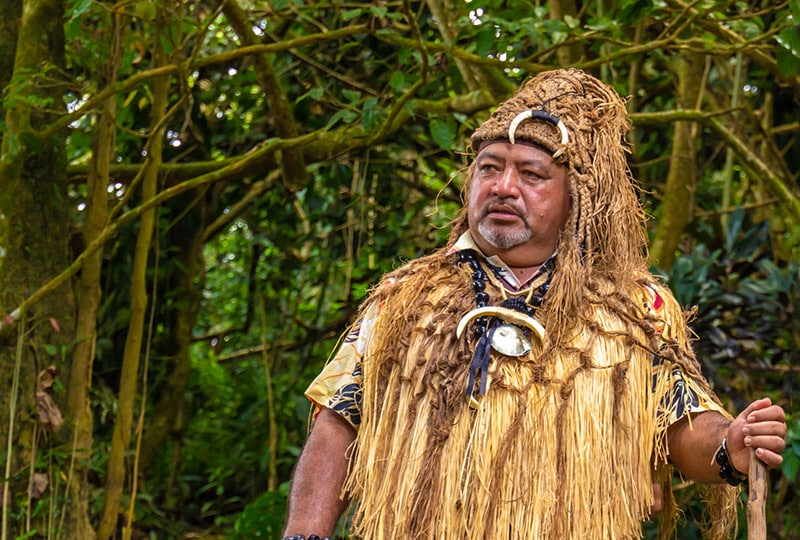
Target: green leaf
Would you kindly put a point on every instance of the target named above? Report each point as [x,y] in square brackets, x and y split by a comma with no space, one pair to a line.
[78,8]
[734,227]
[485,41]
[372,117]
[315,94]
[346,115]
[573,23]
[378,11]
[351,95]
[789,38]
[788,52]
[441,134]
[352,14]
[398,81]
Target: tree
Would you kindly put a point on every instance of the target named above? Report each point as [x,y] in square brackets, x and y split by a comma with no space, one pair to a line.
[33,221]
[196,195]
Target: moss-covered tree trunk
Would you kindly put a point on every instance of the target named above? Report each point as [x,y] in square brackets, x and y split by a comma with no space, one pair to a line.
[10,11]
[681,183]
[293,164]
[118,462]
[560,10]
[89,286]
[476,78]
[34,247]
[184,286]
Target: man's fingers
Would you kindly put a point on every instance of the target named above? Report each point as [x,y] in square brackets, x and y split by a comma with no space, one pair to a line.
[757,405]
[770,459]
[751,412]
[770,427]
[774,443]
[773,412]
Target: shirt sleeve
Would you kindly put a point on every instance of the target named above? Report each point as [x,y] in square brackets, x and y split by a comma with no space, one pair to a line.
[338,386]
[681,395]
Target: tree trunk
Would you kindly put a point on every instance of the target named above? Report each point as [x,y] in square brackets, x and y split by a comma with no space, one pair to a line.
[79,401]
[678,198]
[571,54]
[293,165]
[129,375]
[187,243]
[10,12]
[476,78]
[34,243]
[268,356]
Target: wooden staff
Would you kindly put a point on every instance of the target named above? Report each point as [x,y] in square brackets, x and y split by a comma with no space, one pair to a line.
[757,501]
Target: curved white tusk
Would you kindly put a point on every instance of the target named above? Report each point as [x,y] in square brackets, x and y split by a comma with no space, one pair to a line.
[508,315]
[564,139]
[541,115]
[521,117]
[564,133]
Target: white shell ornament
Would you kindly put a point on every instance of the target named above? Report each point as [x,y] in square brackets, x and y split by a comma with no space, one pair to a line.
[510,340]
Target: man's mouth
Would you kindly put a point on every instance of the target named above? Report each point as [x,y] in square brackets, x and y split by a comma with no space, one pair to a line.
[501,212]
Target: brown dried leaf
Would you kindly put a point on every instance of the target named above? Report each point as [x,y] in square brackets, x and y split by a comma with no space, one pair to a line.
[38,485]
[46,378]
[48,411]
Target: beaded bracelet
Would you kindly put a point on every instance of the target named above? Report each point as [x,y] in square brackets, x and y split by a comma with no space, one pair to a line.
[302,537]
[726,469]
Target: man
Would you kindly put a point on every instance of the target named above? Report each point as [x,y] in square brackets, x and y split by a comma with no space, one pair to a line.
[532,378]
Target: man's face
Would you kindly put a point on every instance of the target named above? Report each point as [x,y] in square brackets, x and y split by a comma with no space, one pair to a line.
[519,201]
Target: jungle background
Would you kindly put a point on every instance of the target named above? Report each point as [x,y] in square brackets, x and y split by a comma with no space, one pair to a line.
[196,194]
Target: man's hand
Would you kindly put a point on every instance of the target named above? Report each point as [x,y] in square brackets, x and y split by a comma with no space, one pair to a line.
[761,426]
[693,445]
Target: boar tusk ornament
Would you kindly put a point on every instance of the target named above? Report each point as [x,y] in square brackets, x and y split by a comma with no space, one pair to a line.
[509,337]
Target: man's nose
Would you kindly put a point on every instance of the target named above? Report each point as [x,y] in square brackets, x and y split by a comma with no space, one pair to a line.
[507,184]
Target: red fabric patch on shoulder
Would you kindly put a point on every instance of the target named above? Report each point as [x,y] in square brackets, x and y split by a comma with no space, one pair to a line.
[658,302]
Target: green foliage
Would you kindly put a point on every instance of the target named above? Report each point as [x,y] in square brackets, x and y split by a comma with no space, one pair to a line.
[442,133]
[264,517]
[745,308]
[791,458]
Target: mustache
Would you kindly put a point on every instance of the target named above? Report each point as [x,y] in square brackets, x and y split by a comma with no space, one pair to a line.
[496,206]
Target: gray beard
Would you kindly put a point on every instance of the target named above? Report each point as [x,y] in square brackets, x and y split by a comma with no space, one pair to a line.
[503,241]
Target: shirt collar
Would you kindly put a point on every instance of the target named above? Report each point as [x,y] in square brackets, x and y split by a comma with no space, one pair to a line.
[500,269]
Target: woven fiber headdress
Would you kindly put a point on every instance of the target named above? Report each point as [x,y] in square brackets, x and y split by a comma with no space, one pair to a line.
[583,123]
[569,112]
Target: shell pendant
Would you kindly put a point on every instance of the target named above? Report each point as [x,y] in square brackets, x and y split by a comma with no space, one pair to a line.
[511,340]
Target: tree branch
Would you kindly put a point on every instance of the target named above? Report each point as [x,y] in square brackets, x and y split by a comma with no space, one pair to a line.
[720,30]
